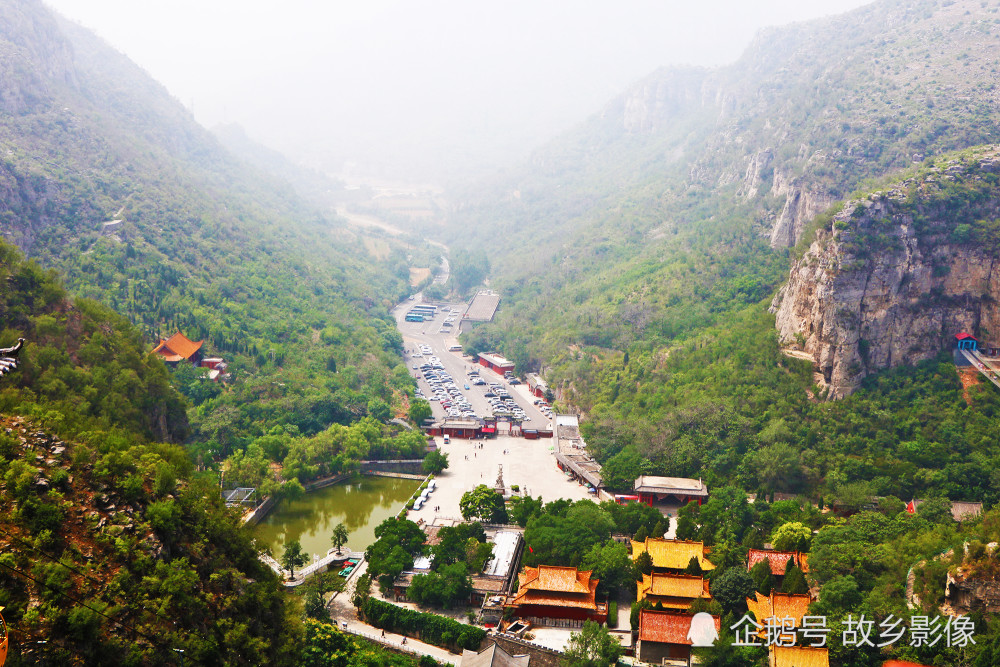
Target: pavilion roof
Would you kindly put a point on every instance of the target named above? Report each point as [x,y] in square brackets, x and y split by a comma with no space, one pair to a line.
[690,586]
[778,606]
[798,656]
[672,554]
[667,627]
[177,347]
[557,586]
[493,656]
[679,485]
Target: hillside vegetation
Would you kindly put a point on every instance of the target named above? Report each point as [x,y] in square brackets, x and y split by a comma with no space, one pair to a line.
[112,548]
[640,255]
[199,242]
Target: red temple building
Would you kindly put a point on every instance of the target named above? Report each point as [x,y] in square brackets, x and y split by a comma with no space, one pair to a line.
[560,596]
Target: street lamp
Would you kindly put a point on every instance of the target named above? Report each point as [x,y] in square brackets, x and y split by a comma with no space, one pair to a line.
[181,651]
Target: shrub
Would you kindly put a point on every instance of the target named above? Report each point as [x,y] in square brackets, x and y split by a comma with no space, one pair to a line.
[431,628]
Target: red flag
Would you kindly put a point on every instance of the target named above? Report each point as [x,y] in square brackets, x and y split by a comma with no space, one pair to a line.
[911,508]
[530,549]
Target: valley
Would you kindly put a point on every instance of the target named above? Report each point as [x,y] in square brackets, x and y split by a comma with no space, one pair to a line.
[753,298]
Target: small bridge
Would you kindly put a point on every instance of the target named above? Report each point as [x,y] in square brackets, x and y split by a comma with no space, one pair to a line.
[983,365]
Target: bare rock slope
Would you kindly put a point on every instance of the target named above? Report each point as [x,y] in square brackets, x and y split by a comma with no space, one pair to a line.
[890,278]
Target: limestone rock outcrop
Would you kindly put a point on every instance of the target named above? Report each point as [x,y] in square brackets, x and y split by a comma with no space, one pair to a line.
[891,278]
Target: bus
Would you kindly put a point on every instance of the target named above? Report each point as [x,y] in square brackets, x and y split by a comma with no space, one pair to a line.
[624,499]
[414,317]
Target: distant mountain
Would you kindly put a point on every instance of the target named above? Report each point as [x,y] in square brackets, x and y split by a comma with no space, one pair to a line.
[662,211]
[108,179]
[313,186]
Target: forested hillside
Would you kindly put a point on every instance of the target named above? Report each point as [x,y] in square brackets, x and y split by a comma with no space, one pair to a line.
[641,251]
[195,240]
[112,549]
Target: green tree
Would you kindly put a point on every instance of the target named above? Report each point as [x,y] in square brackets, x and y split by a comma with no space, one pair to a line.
[852,496]
[791,536]
[293,556]
[643,564]
[732,589]
[435,462]
[778,466]
[444,587]
[522,508]
[483,504]
[453,541]
[693,566]
[621,470]
[611,565]
[468,269]
[763,578]
[890,505]
[936,510]
[379,409]
[325,646]
[795,581]
[687,524]
[398,541]
[419,411]
[566,531]
[339,536]
[593,646]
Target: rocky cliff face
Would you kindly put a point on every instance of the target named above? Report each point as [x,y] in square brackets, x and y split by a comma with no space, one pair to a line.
[34,56]
[803,202]
[892,277]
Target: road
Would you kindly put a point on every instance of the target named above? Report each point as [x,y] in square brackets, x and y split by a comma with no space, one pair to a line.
[342,612]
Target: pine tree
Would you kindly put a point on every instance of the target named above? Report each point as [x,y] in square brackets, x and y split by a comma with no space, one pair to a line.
[795,581]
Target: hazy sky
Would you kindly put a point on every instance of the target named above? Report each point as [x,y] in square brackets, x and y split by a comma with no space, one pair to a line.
[410,84]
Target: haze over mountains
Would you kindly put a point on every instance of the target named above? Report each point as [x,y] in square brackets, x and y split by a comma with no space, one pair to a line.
[637,256]
[424,93]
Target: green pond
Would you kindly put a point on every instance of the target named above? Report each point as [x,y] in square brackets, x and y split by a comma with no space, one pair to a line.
[360,503]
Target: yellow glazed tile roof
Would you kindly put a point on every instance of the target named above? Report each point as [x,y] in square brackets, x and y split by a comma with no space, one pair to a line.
[798,656]
[672,554]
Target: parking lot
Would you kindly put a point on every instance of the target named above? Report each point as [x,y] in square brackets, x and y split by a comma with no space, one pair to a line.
[456,387]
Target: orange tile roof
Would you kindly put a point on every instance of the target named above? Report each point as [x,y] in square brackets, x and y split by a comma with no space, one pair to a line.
[555,578]
[798,656]
[557,586]
[778,559]
[672,554]
[667,627]
[177,347]
[778,606]
[685,587]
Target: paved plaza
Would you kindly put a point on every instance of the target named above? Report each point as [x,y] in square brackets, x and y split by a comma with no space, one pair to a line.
[528,464]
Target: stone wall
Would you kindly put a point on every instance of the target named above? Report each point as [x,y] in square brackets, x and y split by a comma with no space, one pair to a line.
[541,656]
[409,467]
